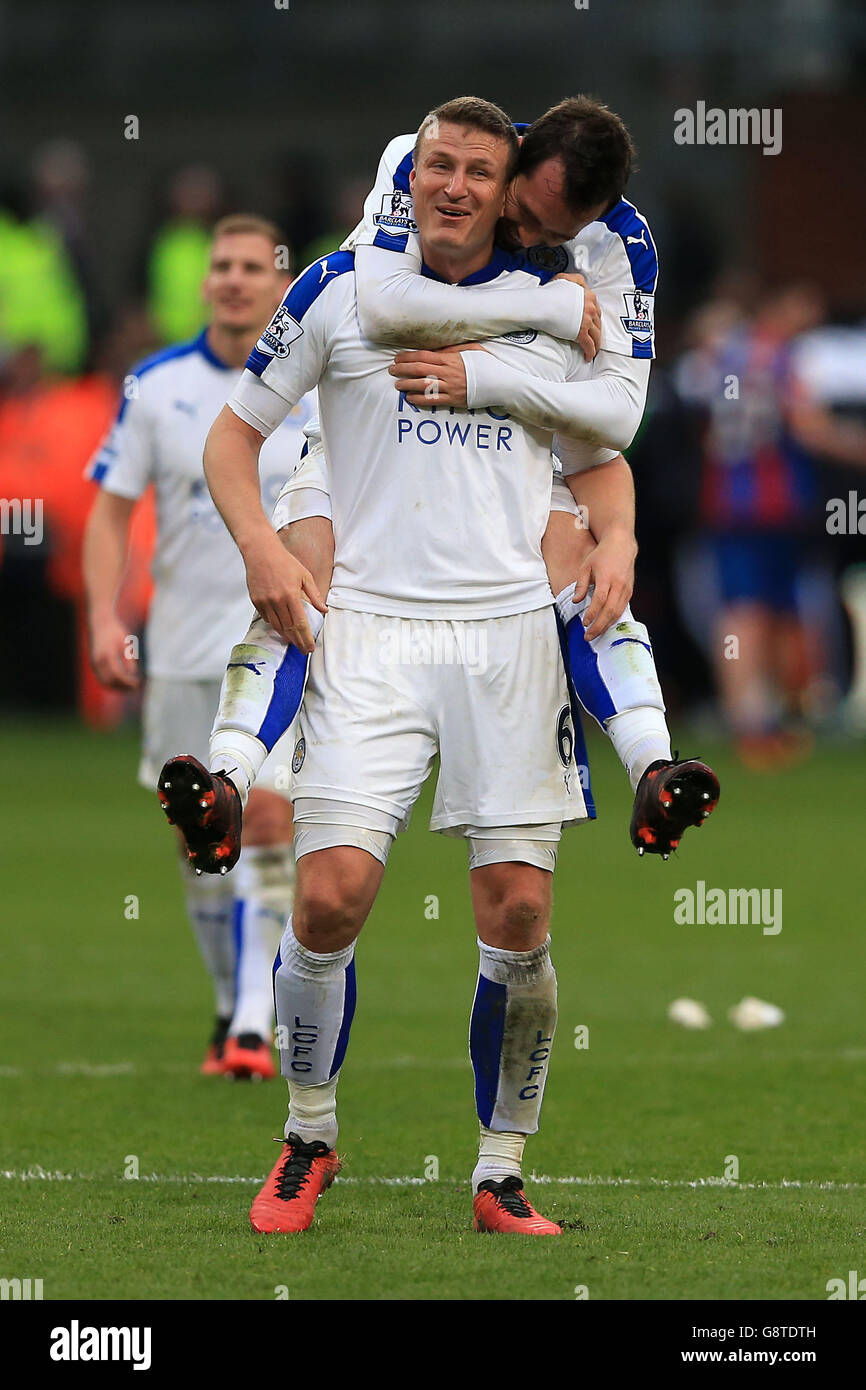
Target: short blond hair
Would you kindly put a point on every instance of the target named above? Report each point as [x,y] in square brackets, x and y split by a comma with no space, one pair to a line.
[250,223]
[473,113]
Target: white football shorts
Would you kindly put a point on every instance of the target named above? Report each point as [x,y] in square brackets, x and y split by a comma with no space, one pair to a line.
[307,492]
[561,499]
[386,694]
[178,717]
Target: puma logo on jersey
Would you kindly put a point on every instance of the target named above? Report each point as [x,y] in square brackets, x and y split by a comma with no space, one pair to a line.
[325,271]
[620,640]
[637,241]
[247,665]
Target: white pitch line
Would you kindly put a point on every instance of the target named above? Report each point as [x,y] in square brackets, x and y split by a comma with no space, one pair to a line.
[38,1174]
[76,1069]
[112,1069]
[94,1068]
[108,1070]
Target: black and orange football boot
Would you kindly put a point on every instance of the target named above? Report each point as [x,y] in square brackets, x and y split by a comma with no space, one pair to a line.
[248,1057]
[206,808]
[287,1202]
[213,1064]
[670,797]
[503,1207]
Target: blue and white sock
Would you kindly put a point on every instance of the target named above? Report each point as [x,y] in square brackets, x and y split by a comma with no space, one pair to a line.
[263,883]
[260,697]
[614,677]
[510,1038]
[209,903]
[315,1003]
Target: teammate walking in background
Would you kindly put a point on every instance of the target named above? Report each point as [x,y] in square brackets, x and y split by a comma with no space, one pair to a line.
[200,605]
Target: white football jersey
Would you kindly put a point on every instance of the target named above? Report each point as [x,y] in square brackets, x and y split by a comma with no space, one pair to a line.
[200,604]
[616,254]
[437,512]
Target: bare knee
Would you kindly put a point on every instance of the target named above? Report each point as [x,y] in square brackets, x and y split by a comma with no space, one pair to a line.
[267,819]
[512,905]
[335,891]
[522,922]
[327,918]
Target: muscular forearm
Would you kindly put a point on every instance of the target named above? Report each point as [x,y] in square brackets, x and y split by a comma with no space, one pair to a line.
[231,466]
[606,410]
[400,308]
[104,553]
[606,494]
[278,584]
[106,542]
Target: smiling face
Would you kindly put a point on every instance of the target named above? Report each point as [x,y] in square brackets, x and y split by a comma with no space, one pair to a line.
[536,212]
[242,283]
[458,187]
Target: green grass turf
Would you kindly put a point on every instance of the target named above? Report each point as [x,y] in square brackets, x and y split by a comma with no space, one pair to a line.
[646,1101]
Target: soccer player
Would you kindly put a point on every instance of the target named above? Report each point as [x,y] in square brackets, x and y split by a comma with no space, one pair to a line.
[199,606]
[438,521]
[573,165]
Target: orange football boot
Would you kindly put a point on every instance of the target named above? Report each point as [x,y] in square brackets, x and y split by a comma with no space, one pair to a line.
[502,1206]
[213,1058]
[287,1202]
[248,1057]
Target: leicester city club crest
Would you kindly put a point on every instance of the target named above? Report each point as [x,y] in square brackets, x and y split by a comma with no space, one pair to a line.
[521,336]
[553,259]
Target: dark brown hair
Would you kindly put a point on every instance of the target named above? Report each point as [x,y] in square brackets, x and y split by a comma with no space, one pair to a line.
[594,145]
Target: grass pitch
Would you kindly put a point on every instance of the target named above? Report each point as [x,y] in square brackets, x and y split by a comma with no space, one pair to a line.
[105,1016]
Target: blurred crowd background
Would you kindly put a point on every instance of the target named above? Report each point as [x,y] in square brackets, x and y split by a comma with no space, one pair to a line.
[756,419]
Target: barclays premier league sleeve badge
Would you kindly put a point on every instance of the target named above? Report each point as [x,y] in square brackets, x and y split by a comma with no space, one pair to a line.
[396,215]
[638,318]
[281,332]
